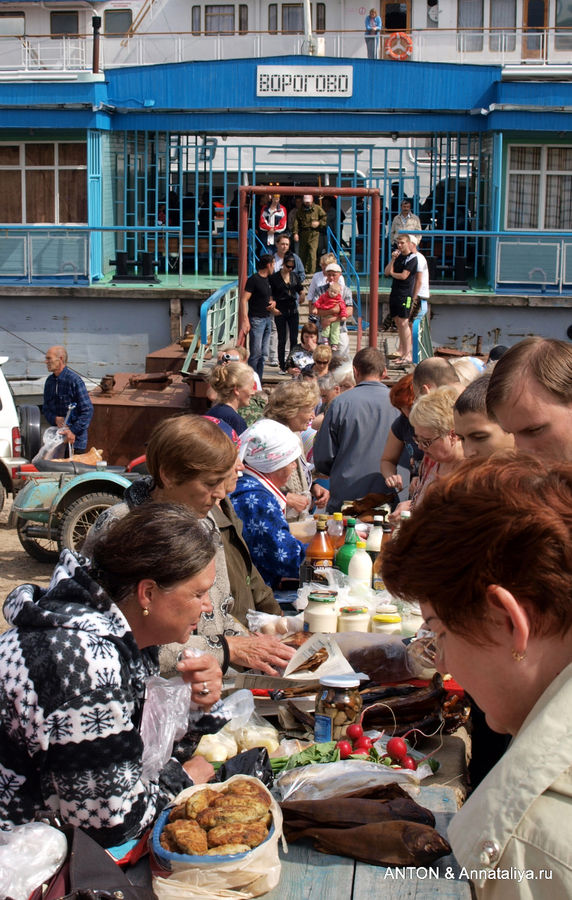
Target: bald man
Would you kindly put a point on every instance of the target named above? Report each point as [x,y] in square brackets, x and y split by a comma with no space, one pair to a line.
[64,387]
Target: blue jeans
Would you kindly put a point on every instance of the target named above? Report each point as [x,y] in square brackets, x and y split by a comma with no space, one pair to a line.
[260,330]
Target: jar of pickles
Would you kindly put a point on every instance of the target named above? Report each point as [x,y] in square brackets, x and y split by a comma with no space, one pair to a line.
[338,704]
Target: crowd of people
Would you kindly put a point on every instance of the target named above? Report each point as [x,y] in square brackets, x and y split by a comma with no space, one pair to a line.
[478,451]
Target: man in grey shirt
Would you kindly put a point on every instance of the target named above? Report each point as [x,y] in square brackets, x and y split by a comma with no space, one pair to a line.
[349,445]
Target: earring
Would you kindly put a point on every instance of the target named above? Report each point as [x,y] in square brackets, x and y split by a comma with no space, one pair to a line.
[518,657]
[145,610]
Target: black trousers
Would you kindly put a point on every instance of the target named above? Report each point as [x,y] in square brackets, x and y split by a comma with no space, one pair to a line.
[286,324]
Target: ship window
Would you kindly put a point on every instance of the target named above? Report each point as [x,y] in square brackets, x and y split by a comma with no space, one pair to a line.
[12,23]
[64,23]
[539,188]
[470,25]
[219,19]
[196,19]
[117,21]
[273,18]
[563,38]
[44,183]
[503,24]
[320,16]
[292,18]
[242,18]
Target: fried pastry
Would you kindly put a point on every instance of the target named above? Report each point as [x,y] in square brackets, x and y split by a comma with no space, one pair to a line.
[228,850]
[251,833]
[235,810]
[188,837]
[248,789]
[199,801]
[178,812]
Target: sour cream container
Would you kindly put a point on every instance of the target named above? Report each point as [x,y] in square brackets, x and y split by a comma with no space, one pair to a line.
[321,615]
[354,618]
[386,623]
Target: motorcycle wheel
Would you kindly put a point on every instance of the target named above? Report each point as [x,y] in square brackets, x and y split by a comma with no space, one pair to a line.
[2,496]
[42,549]
[80,516]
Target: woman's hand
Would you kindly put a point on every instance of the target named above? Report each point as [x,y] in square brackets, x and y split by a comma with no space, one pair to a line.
[395,515]
[394,481]
[297,502]
[320,494]
[202,673]
[199,769]
[259,651]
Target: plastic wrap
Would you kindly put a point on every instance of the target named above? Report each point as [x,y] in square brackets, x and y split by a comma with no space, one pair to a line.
[29,855]
[383,657]
[336,778]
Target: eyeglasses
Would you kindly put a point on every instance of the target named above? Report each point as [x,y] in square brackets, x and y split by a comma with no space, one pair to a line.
[425,443]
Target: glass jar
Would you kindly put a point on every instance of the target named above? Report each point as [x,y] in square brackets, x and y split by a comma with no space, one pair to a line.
[354,618]
[338,704]
[386,623]
[321,615]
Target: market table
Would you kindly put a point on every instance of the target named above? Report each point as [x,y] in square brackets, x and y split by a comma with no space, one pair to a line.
[308,874]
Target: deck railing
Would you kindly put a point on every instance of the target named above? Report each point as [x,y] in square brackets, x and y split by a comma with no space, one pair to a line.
[511,47]
[218,326]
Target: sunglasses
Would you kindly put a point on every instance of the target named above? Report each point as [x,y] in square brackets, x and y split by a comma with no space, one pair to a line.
[289,267]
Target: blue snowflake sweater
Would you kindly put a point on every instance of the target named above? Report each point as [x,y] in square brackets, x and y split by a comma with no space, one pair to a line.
[72,687]
[276,553]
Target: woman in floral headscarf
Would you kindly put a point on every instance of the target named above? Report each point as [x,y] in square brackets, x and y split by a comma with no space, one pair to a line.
[269,451]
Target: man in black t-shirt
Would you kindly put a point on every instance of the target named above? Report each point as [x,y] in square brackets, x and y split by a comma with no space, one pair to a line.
[402,268]
[255,313]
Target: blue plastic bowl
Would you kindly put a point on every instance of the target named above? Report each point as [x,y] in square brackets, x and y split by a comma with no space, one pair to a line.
[165,857]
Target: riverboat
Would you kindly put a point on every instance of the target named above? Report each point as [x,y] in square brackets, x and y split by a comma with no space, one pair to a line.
[128,126]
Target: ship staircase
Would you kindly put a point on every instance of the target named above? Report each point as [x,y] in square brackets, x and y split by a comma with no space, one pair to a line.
[218,325]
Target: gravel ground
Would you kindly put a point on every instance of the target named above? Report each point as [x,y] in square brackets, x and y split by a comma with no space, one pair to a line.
[16,567]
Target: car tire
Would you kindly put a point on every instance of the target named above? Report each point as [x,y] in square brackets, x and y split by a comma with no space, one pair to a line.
[80,515]
[42,549]
[2,496]
[30,430]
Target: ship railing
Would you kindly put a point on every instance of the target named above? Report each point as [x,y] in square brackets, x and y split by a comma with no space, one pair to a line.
[351,276]
[510,47]
[421,331]
[218,327]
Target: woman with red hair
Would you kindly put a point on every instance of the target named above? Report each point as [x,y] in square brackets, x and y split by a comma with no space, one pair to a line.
[488,555]
[401,436]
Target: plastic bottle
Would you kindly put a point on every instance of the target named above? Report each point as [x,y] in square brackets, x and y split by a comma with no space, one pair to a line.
[403,516]
[375,538]
[348,548]
[377,578]
[336,530]
[320,554]
[360,567]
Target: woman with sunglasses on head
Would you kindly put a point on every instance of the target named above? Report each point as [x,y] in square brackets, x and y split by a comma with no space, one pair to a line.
[432,419]
[287,292]
[488,557]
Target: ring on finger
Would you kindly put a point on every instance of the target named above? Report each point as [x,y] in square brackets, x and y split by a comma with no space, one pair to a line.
[205,690]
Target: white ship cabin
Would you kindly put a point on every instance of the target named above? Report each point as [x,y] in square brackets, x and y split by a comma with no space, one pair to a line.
[525,36]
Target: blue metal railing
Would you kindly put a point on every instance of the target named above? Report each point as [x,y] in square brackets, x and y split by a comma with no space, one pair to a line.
[218,326]
[350,274]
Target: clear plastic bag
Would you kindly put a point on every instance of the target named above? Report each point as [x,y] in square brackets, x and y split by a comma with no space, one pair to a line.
[29,855]
[53,445]
[165,720]
[256,732]
[270,624]
[332,779]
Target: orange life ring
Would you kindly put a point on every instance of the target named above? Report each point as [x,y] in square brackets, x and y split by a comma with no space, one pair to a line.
[399,45]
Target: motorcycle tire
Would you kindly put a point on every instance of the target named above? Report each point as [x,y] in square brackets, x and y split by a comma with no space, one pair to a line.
[42,549]
[80,515]
[30,430]
[2,496]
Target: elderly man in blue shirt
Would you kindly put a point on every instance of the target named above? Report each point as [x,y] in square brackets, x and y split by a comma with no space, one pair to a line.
[63,388]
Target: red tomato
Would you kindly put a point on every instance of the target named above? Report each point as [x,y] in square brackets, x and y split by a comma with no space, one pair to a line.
[364,743]
[345,749]
[397,748]
[408,763]
[354,732]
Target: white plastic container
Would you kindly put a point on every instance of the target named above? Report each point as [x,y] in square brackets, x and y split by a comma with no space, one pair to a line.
[360,567]
[375,538]
[354,618]
[386,623]
[321,615]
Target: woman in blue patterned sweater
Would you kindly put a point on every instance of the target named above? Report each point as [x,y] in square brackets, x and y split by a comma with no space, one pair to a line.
[269,451]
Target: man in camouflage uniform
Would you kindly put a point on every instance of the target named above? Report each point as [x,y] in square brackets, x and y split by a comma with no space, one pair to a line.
[307,223]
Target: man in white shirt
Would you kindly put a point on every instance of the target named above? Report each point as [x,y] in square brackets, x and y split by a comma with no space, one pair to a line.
[421,288]
[404,221]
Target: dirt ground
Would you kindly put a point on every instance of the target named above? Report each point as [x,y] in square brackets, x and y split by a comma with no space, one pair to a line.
[16,567]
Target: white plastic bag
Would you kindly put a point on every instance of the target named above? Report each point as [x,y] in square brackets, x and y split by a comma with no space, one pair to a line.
[253,875]
[53,445]
[315,782]
[29,855]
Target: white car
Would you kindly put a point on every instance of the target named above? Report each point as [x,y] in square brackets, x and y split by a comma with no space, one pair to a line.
[19,436]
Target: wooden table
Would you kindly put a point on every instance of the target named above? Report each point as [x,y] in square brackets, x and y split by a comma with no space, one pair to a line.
[310,875]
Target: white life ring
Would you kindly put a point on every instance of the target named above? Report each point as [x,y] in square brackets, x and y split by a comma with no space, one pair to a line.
[399,45]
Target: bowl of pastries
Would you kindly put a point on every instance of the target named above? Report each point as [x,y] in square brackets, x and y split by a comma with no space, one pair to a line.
[214,823]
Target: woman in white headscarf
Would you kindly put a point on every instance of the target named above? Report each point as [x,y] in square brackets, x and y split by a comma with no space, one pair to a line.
[269,451]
